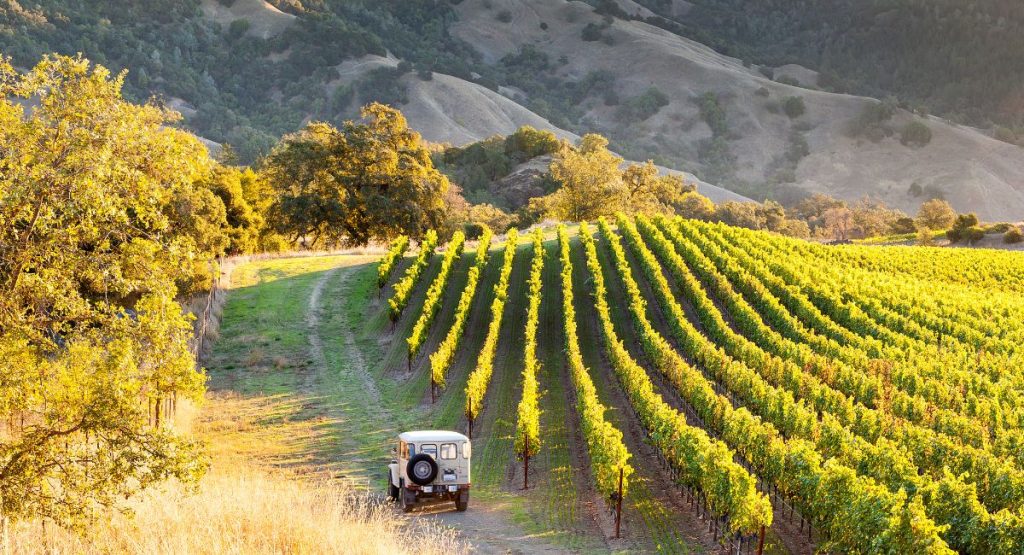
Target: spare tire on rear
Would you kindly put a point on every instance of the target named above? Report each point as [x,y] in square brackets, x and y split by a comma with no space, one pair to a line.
[422,469]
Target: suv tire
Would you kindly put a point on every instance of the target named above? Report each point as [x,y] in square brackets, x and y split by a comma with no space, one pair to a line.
[392,488]
[407,499]
[422,469]
[462,501]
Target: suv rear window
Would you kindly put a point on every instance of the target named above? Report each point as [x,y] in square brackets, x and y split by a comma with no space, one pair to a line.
[430,449]
[449,451]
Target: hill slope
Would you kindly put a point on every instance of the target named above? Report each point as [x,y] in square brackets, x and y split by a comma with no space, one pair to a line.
[446,109]
[968,168]
[264,20]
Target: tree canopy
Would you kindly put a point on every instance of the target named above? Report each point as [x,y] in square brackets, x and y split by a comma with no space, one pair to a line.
[372,179]
[591,185]
[100,217]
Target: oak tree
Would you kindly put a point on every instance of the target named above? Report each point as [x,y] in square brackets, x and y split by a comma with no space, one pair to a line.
[372,179]
[99,218]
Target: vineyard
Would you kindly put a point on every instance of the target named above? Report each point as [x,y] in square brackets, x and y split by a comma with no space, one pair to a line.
[740,386]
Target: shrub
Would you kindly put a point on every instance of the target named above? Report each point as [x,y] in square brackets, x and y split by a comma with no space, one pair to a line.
[591,33]
[763,91]
[643,106]
[794,106]
[504,16]
[238,28]
[903,225]
[798,148]
[936,214]
[1004,134]
[869,122]
[974,234]
[794,228]
[696,206]
[1013,235]
[1001,227]
[916,134]
[713,114]
[925,237]
[528,142]
[961,228]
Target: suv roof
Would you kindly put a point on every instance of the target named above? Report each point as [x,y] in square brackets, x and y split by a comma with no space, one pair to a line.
[431,435]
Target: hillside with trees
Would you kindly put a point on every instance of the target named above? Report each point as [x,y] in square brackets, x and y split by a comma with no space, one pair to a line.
[959,59]
[244,73]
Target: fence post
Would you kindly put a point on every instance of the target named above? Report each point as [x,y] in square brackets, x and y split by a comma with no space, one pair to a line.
[526,463]
[618,506]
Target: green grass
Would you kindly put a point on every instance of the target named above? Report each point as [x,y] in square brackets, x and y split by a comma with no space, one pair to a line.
[897,238]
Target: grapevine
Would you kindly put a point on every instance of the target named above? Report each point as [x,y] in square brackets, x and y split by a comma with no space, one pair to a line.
[434,294]
[442,358]
[476,386]
[404,288]
[389,261]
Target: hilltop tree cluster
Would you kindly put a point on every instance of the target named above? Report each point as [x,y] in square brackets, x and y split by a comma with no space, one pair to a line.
[592,185]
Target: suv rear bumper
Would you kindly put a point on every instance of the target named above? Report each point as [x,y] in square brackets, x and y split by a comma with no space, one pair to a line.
[437,491]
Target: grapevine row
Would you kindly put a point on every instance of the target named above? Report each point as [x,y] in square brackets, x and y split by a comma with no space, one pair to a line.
[441,359]
[875,319]
[527,441]
[948,376]
[940,317]
[404,288]
[916,390]
[476,386]
[389,261]
[432,302]
[607,453]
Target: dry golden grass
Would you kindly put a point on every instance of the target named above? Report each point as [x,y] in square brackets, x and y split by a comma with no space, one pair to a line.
[264,494]
[247,511]
[255,357]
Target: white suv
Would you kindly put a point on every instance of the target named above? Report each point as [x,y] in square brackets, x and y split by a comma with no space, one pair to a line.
[432,465]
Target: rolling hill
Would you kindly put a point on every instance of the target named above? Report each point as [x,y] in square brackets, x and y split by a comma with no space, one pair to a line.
[263,19]
[249,72]
[970,169]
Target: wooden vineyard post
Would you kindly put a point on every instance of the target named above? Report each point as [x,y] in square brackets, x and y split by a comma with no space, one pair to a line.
[469,403]
[433,389]
[526,463]
[760,542]
[618,506]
